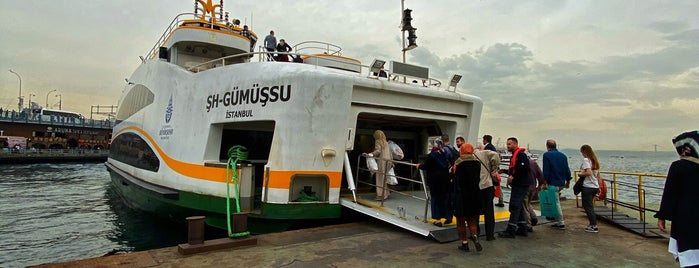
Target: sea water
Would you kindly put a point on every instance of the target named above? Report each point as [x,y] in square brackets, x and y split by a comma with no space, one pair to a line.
[61,212]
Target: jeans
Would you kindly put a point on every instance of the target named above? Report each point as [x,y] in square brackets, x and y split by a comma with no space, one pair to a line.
[517,195]
[587,195]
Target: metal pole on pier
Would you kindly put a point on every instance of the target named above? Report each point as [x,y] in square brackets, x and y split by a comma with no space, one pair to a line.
[19,103]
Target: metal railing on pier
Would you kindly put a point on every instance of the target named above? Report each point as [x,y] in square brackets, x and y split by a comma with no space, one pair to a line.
[17,117]
[631,191]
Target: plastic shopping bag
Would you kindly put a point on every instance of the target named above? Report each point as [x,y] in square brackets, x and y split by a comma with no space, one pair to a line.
[548,202]
[371,163]
[391,177]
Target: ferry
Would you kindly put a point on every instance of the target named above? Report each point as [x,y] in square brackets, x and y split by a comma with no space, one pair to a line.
[296,129]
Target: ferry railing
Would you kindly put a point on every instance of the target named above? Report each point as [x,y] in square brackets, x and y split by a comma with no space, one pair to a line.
[24,152]
[424,197]
[364,69]
[323,47]
[629,184]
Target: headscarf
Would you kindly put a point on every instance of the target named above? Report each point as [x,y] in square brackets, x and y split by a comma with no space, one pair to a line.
[466,151]
[437,153]
[687,144]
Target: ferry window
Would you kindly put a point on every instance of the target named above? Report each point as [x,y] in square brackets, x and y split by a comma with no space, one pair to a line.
[133,150]
[138,97]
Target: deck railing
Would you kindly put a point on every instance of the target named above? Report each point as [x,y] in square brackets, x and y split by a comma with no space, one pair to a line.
[629,190]
[423,196]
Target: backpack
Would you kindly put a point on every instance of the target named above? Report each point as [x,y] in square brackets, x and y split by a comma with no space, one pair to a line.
[396,151]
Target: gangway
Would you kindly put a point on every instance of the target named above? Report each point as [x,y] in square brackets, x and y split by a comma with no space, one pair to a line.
[407,209]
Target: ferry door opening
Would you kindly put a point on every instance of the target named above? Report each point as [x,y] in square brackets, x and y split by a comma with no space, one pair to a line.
[410,133]
[257,138]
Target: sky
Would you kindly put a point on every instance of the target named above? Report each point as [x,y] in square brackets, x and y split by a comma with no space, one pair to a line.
[617,75]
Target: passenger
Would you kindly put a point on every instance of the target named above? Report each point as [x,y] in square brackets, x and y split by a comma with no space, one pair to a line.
[589,172]
[467,201]
[383,154]
[678,203]
[283,47]
[270,45]
[518,179]
[246,32]
[459,141]
[536,180]
[438,181]
[557,174]
[490,161]
[487,143]
[452,154]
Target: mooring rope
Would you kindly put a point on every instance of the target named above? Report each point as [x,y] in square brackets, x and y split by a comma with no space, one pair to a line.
[235,153]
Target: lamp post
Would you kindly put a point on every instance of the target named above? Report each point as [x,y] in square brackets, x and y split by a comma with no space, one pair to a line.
[19,103]
[59,100]
[47,97]
[30,99]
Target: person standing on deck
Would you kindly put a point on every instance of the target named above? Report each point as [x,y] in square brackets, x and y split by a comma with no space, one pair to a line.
[459,141]
[284,48]
[382,153]
[439,183]
[490,160]
[589,171]
[679,201]
[556,174]
[518,179]
[467,203]
[270,45]
[536,180]
[487,143]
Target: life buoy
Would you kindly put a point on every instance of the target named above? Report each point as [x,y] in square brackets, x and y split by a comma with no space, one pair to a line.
[602,193]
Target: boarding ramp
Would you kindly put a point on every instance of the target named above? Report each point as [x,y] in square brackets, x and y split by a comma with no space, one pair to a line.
[407,207]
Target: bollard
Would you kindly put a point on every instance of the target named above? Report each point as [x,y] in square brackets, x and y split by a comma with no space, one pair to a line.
[195,230]
[240,222]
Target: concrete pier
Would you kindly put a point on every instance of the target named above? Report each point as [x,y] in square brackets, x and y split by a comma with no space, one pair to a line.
[377,244]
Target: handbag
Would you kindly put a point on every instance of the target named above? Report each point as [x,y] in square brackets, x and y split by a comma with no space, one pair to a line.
[577,188]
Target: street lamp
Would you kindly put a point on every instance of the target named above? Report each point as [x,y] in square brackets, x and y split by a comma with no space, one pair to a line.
[59,100]
[47,97]
[30,99]
[19,103]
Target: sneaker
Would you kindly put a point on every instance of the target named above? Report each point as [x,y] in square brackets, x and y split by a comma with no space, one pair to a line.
[558,226]
[591,229]
[464,247]
[535,221]
[500,205]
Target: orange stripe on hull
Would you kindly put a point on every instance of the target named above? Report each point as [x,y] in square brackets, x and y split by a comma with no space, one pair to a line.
[278,179]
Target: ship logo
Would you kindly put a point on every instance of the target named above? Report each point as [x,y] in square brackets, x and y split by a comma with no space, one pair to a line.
[168,111]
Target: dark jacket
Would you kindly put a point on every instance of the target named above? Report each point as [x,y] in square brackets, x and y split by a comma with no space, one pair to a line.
[520,171]
[679,203]
[438,177]
[468,194]
[556,170]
